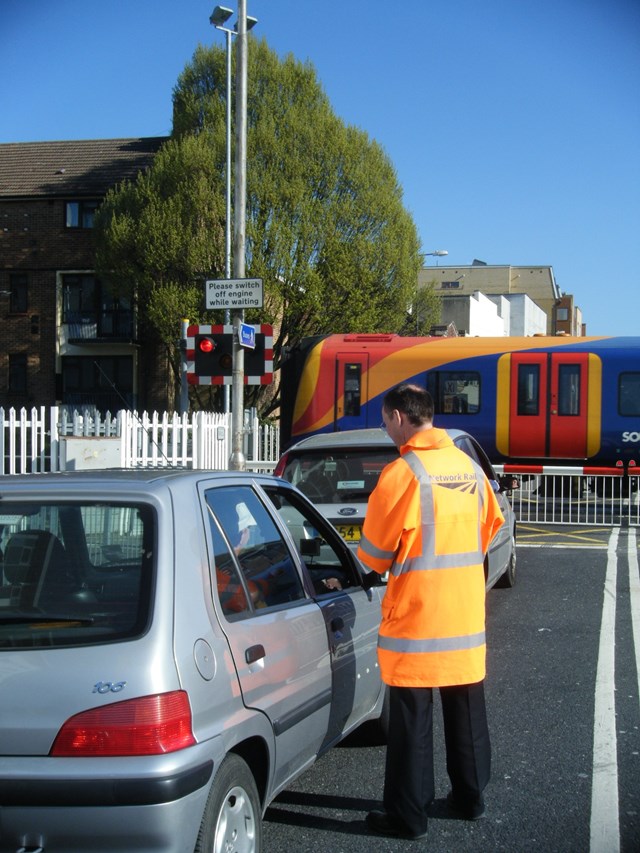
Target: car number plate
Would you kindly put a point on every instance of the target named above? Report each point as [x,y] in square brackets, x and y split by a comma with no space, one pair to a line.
[349,532]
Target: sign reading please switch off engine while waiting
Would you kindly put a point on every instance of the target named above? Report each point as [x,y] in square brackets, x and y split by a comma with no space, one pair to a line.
[233,293]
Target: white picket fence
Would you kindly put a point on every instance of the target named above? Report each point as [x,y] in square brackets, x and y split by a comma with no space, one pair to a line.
[51,439]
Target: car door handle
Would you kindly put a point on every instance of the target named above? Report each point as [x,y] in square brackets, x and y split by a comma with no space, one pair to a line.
[337,624]
[254,653]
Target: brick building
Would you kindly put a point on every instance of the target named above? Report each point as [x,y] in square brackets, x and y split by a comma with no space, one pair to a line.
[63,337]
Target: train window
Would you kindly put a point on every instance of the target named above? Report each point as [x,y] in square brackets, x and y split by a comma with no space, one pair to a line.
[528,389]
[352,384]
[569,389]
[454,392]
[629,394]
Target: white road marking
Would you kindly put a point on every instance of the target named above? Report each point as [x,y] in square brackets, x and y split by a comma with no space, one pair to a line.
[605,825]
[634,595]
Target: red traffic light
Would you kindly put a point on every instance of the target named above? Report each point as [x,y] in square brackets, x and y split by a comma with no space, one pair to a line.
[206,345]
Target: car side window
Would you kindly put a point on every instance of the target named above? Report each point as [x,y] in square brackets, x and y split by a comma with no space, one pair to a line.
[478,456]
[264,568]
[231,591]
[325,555]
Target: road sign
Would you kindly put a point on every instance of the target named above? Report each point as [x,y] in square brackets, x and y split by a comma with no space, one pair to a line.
[233,293]
[247,336]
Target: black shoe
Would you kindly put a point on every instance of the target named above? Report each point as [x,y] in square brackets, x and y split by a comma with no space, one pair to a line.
[384,824]
[467,811]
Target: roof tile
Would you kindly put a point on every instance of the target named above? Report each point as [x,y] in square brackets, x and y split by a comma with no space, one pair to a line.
[82,167]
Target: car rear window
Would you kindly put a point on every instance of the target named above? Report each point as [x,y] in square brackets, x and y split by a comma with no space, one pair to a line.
[74,573]
[336,476]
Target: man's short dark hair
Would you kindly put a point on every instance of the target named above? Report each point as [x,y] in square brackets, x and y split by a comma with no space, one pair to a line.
[415,402]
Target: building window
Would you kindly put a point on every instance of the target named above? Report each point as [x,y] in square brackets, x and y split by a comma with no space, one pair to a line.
[450,285]
[18,373]
[562,314]
[80,214]
[105,382]
[91,311]
[18,303]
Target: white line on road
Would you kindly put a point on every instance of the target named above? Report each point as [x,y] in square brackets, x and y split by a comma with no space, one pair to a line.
[605,824]
[634,595]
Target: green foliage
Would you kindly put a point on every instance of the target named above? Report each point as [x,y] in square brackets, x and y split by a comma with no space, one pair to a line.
[157,237]
[326,227]
[425,311]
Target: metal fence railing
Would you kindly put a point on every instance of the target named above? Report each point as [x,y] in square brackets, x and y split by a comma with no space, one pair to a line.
[576,497]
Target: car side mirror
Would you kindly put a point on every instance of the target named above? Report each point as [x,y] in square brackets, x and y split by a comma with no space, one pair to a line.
[508,483]
[310,547]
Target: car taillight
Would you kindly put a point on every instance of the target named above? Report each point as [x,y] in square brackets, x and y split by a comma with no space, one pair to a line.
[282,464]
[150,725]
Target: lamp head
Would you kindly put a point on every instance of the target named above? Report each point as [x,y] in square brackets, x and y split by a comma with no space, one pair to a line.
[220,16]
[251,22]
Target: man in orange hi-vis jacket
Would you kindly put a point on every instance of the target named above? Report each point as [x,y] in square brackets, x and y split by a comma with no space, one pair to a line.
[429,523]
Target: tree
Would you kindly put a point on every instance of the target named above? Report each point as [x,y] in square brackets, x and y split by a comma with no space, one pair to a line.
[424,312]
[326,227]
[155,240]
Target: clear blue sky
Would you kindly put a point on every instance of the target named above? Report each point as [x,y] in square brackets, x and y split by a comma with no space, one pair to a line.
[513,125]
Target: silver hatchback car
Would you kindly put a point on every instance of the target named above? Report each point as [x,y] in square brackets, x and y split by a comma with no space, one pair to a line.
[175,649]
[338,471]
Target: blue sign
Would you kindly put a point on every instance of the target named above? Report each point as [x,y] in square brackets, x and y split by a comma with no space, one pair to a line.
[247,336]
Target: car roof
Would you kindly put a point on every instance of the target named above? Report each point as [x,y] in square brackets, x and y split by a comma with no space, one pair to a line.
[113,478]
[355,438]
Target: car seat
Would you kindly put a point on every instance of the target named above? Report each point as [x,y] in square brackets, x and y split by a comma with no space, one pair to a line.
[38,569]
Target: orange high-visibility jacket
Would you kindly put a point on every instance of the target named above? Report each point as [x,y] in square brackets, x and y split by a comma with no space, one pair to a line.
[429,523]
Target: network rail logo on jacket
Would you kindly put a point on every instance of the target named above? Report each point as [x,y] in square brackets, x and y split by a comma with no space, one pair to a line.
[462,482]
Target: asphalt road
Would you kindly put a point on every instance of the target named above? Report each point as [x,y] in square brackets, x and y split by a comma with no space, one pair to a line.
[562,654]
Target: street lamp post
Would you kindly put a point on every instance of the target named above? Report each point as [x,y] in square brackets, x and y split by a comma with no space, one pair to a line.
[439,253]
[219,18]
[237,459]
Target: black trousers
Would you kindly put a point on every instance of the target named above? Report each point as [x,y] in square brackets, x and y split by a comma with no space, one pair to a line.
[409,787]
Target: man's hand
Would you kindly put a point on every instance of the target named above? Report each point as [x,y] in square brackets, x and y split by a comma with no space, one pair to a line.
[370,579]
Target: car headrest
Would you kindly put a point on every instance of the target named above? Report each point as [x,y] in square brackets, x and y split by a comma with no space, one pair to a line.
[28,553]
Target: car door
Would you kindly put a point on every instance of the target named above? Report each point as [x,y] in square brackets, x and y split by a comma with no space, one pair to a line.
[351,613]
[275,630]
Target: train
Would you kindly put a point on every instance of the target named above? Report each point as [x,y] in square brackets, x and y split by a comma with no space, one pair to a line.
[533,401]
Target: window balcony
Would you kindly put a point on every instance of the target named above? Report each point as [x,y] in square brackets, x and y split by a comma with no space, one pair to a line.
[107,326]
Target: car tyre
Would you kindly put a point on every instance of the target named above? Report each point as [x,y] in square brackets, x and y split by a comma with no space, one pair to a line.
[508,578]
[232,817]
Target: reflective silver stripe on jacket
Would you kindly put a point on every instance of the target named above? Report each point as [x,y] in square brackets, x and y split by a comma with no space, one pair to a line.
[441,644]
[429,559]
[372,550]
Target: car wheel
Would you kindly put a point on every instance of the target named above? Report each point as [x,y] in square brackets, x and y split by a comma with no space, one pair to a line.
[232,818]
[508,578]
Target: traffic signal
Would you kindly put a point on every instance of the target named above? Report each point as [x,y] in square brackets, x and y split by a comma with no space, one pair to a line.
[209,355]
[213,355]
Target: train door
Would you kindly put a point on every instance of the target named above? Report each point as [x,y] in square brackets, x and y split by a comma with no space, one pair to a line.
[548,405]
[350,408]
[568,405]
